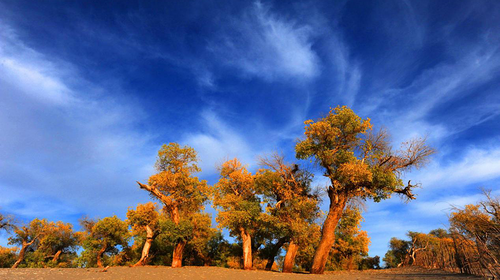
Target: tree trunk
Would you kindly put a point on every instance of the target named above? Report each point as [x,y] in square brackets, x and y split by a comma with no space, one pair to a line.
[290,257]
[178,250]
[337,204]
[274,252]
[100,254]
[56,256]
[21,254]
[247,249]
[147,246]
[174,213]
[351,262]
[179,247]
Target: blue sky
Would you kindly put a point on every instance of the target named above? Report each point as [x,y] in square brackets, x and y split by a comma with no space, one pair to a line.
[90,90]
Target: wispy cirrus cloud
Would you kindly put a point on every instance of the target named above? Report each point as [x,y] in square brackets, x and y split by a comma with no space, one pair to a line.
[476,165]
[265,45]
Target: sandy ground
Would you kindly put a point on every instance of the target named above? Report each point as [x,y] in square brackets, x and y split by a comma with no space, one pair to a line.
[215,273]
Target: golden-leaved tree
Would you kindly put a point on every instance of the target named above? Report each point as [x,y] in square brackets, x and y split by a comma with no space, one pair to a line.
[291,204]
[358,163]
[28,236]
[144,220]
[236,197]
[181,193]
[101,239]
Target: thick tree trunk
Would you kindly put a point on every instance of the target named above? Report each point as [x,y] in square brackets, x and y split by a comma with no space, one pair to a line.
[179,247]
[147,246]
[247,249]
[21,254]
[290,257]
[178,250]
[337,204]
[100,254]
[56,256]
[274,252]
[351,263]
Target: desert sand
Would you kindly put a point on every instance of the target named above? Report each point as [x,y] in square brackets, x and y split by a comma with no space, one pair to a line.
[217,273]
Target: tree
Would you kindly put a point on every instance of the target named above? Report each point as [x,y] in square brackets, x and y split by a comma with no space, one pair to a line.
[6,222]
[478,225]
[202,234]
[175,186]
[101,238]
[396,253]
[291,204]
[59,239]
[144,220]
[8,256]
[28,236]
[358,163]
[239,207]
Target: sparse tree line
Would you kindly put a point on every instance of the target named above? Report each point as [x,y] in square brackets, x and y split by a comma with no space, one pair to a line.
[270,211]
[471,245]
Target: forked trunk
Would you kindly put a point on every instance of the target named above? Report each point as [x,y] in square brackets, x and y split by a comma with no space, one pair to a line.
[337,204]
[274,252]
[247,249]
[56,256]
[147,246]
[21,254]
[178,250]
[290,257]
[100,254]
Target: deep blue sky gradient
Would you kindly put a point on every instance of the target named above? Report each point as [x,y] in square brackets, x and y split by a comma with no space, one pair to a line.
[89,90]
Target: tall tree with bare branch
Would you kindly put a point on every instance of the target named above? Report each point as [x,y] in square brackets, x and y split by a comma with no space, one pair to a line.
[358,164]
[174,185]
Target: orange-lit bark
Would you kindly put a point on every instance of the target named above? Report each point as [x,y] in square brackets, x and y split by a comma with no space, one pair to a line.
[337,205]
[177,256]
[290,257]
[22,253]
[147,246]
[247,249]
[56,256]
[100,254]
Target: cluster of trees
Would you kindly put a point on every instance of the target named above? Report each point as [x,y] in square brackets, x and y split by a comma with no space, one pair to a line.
[270,210]
[471,244]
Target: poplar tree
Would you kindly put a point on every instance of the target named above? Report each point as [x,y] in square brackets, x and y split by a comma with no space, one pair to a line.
[359,164]
[181,193]
[292,206]
[236,198]
[28,236]
[102,237]
[144,220]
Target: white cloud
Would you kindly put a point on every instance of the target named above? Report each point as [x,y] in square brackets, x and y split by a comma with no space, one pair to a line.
[445,205]
[217,143]
[267,46]
[475,166]
[60,144]
[450,81]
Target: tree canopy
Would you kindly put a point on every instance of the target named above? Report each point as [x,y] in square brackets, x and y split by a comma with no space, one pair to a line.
[358,163]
